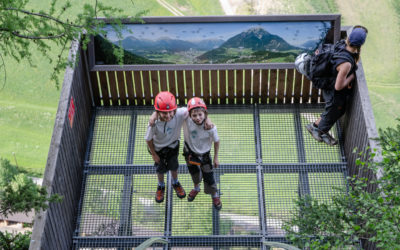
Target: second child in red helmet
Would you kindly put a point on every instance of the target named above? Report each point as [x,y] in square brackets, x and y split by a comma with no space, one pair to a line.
[198,143]
[162,137]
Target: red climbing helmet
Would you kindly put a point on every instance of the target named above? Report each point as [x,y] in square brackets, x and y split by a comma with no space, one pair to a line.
[196,102]
[165,101]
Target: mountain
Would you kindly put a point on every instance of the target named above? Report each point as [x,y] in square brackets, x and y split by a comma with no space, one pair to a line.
[171,45]
[249,46]
[208,44]
[258,39]
[104,54]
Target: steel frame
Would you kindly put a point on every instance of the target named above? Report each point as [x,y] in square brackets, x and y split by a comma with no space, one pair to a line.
[216,241]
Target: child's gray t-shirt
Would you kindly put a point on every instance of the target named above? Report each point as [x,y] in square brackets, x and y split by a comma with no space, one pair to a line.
[166,134]
[198,139]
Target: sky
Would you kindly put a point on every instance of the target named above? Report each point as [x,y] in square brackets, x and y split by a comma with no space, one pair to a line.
[295,33]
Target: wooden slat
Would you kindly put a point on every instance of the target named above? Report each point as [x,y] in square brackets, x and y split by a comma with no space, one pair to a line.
[281,85]
[172,82]
[222,86]
[321,97]
[181,87]
[163,80]
[289,85]
[129,87]
[154,83]
[146,87]
[297,87]
[95,88]
[247,86]
[306,90]
[206,86]
[256,85]
[138,87]
[189,84]
[121,88]
[314,95]
[197,83]
[104,88]
[113,88]
[272,85]
[231,86]
[264,85]
[214,86]
[239,86]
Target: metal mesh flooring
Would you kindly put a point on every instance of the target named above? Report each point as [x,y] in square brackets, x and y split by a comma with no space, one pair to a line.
[267,159]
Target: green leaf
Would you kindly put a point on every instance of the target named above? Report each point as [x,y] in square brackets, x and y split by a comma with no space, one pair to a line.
[150,242]
[280,245]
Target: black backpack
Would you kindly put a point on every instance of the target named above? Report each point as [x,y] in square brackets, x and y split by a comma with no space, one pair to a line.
[320,68]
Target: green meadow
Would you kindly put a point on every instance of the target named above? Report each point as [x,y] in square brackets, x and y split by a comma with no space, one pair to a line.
[28,100]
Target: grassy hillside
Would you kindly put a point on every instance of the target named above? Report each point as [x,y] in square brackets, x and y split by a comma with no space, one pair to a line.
[28,101]
[380,54]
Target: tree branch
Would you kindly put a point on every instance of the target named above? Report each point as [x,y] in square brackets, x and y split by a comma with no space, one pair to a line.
[44,16]
[37,37]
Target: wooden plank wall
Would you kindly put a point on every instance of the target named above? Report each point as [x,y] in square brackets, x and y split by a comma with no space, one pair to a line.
[120,88]
[54,228]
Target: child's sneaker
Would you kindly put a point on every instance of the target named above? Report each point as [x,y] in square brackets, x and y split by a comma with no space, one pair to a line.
[314,131]
[217,203]
[180,192]
[328,139]
[192,195]
[160,194]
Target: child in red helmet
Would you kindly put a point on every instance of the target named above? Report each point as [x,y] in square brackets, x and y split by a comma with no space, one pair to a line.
[198,142]
[163,141]
[162,137]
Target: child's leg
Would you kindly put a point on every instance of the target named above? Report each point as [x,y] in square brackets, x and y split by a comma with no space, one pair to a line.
[173,166]
[160,170]
[210,186]
[160,178]
[196,175]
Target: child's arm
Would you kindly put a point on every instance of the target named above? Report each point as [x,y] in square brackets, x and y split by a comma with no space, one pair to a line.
[216,149]
[155,156]
[208,124]
[153,119]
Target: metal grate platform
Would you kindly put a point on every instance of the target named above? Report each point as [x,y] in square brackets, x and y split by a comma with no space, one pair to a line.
[267,158]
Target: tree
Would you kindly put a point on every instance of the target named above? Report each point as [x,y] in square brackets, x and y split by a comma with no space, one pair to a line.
[19,194]
[23,31]
[20,241]
[359,214]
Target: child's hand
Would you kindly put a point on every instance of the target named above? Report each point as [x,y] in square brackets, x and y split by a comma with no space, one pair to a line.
[216,162]
[153,119]
[208,124]
[156,158]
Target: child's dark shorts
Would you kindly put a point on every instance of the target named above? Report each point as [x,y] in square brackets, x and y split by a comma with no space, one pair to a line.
[168,160]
